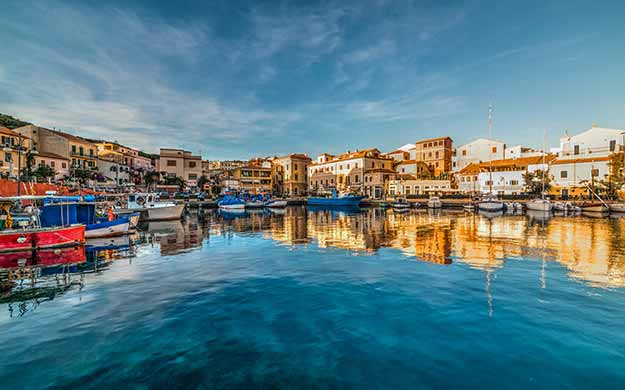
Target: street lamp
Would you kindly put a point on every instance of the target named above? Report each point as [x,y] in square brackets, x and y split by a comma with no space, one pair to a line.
[19,162]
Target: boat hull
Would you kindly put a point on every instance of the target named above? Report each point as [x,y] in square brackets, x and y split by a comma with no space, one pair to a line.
[117,227]
[490,206]
[352,201]
[617,208]
[595,209]
[163,213]
[239,206]
[57,237]
[435,205]
[277,204]
[539,206]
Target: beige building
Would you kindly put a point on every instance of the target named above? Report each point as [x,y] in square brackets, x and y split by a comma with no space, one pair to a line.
[81,153]
[376,182]
[57,162]
[410,185]
[292,170]
[255,178]
[10,151]
[180,163]
[436,153]
[345,172]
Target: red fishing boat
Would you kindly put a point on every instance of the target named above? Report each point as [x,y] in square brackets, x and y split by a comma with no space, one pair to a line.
[16,240]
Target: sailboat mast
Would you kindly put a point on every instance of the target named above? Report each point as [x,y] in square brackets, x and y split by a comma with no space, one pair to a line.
[490,149]
[542,194]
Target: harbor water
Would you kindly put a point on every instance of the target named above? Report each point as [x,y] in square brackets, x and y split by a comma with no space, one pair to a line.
[302,298]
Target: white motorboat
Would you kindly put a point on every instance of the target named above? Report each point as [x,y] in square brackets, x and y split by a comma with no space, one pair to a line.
[617,207]
[153,210]
[540,204]
[517,206]
[116,227]
[490,203]
[560,206]
[254,204]
[434,203]
[401,204]
[276,203]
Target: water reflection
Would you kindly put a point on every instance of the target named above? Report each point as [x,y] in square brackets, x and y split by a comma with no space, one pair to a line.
[590,249]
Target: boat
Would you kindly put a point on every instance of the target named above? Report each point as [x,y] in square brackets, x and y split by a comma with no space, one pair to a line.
[152,209]
[254,204]
[560,206]
[276,203]
[617,207]
[468,207]
[346,200]
[490,203]
[434,203]
[231,202]
[15,240]
[400,204]
[539,204]
[594,207]
[116,227]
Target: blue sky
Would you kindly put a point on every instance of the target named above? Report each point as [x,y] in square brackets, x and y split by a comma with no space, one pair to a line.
[236,79]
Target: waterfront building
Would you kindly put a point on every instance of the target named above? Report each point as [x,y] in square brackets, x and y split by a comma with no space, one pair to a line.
[57,162]
[414,167]
[376,182]
[11,151]
[344,172]
[435,152]
[255,178]
[81,152]
[477,151]
[410,185]
[507,175]
[583,159]
[290,172]
[132,163]
[180,163]
[117,174]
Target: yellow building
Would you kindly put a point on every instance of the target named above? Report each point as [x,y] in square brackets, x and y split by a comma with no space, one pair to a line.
[255,178]
[10,152]
[292,171]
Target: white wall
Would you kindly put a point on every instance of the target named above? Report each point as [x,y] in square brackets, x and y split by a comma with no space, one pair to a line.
[594,141]
[476,151]
[578,172]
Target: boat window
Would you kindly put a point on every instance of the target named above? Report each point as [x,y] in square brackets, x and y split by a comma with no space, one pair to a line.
[131,198]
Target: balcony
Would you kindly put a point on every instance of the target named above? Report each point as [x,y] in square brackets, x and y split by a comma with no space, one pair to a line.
[82,155]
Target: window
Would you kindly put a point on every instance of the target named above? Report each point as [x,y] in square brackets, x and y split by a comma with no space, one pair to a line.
[612,145]
[489,183]
[81,151]
[52,164]
[494,149]
[464,152]
[91,152]
[564,174]
[64,165]
[594,172]
[192,176]
[246,173]
[192,164]
[7,157]
[437,154]
[294,167]
[576,149]
[73,148]
[296,176]
[356,178]
[171,163]
[356,165]
[514,182]
[91,164]
[348,166]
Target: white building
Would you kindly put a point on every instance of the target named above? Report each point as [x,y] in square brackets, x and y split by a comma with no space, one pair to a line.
[413,186]
[477,151]
[584,157]
[507,175]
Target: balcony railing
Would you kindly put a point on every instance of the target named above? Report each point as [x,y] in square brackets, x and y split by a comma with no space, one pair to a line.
[78,154]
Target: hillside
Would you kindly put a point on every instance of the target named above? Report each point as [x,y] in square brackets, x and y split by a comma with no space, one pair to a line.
[10,122]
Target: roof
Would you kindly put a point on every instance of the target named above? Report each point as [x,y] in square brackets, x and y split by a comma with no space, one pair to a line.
[7,131]
[580,160]
[432,139]
[353,155]
[514,162]
[300,156]
[397,151]
[67,136]
[51,155]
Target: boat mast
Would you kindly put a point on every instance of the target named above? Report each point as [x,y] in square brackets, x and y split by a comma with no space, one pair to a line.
[490,149]
[542,193]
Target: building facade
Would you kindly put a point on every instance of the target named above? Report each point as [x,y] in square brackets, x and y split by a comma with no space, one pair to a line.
[408,185]
[57,162]
[344,172]
[436,153]
[477,151]
[292,172]
[180,163]
[13,153]
[81,153]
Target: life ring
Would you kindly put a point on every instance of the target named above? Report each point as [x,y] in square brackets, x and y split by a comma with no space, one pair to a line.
[140,200]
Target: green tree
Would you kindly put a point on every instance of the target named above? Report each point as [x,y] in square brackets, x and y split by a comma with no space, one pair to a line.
[534,182]
[82,175]
[43,172]
[150,178]
[176,181]
[616,177]
[201,181]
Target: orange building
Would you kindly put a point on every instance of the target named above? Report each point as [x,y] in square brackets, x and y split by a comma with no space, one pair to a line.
[436,153]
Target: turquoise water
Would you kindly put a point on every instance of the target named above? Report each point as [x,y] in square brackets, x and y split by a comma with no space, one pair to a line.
[328,300]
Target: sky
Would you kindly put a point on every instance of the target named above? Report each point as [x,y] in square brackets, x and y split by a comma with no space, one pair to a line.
[236,79]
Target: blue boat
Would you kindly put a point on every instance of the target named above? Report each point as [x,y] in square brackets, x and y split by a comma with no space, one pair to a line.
[64,214]
[336,201]
[230,202]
